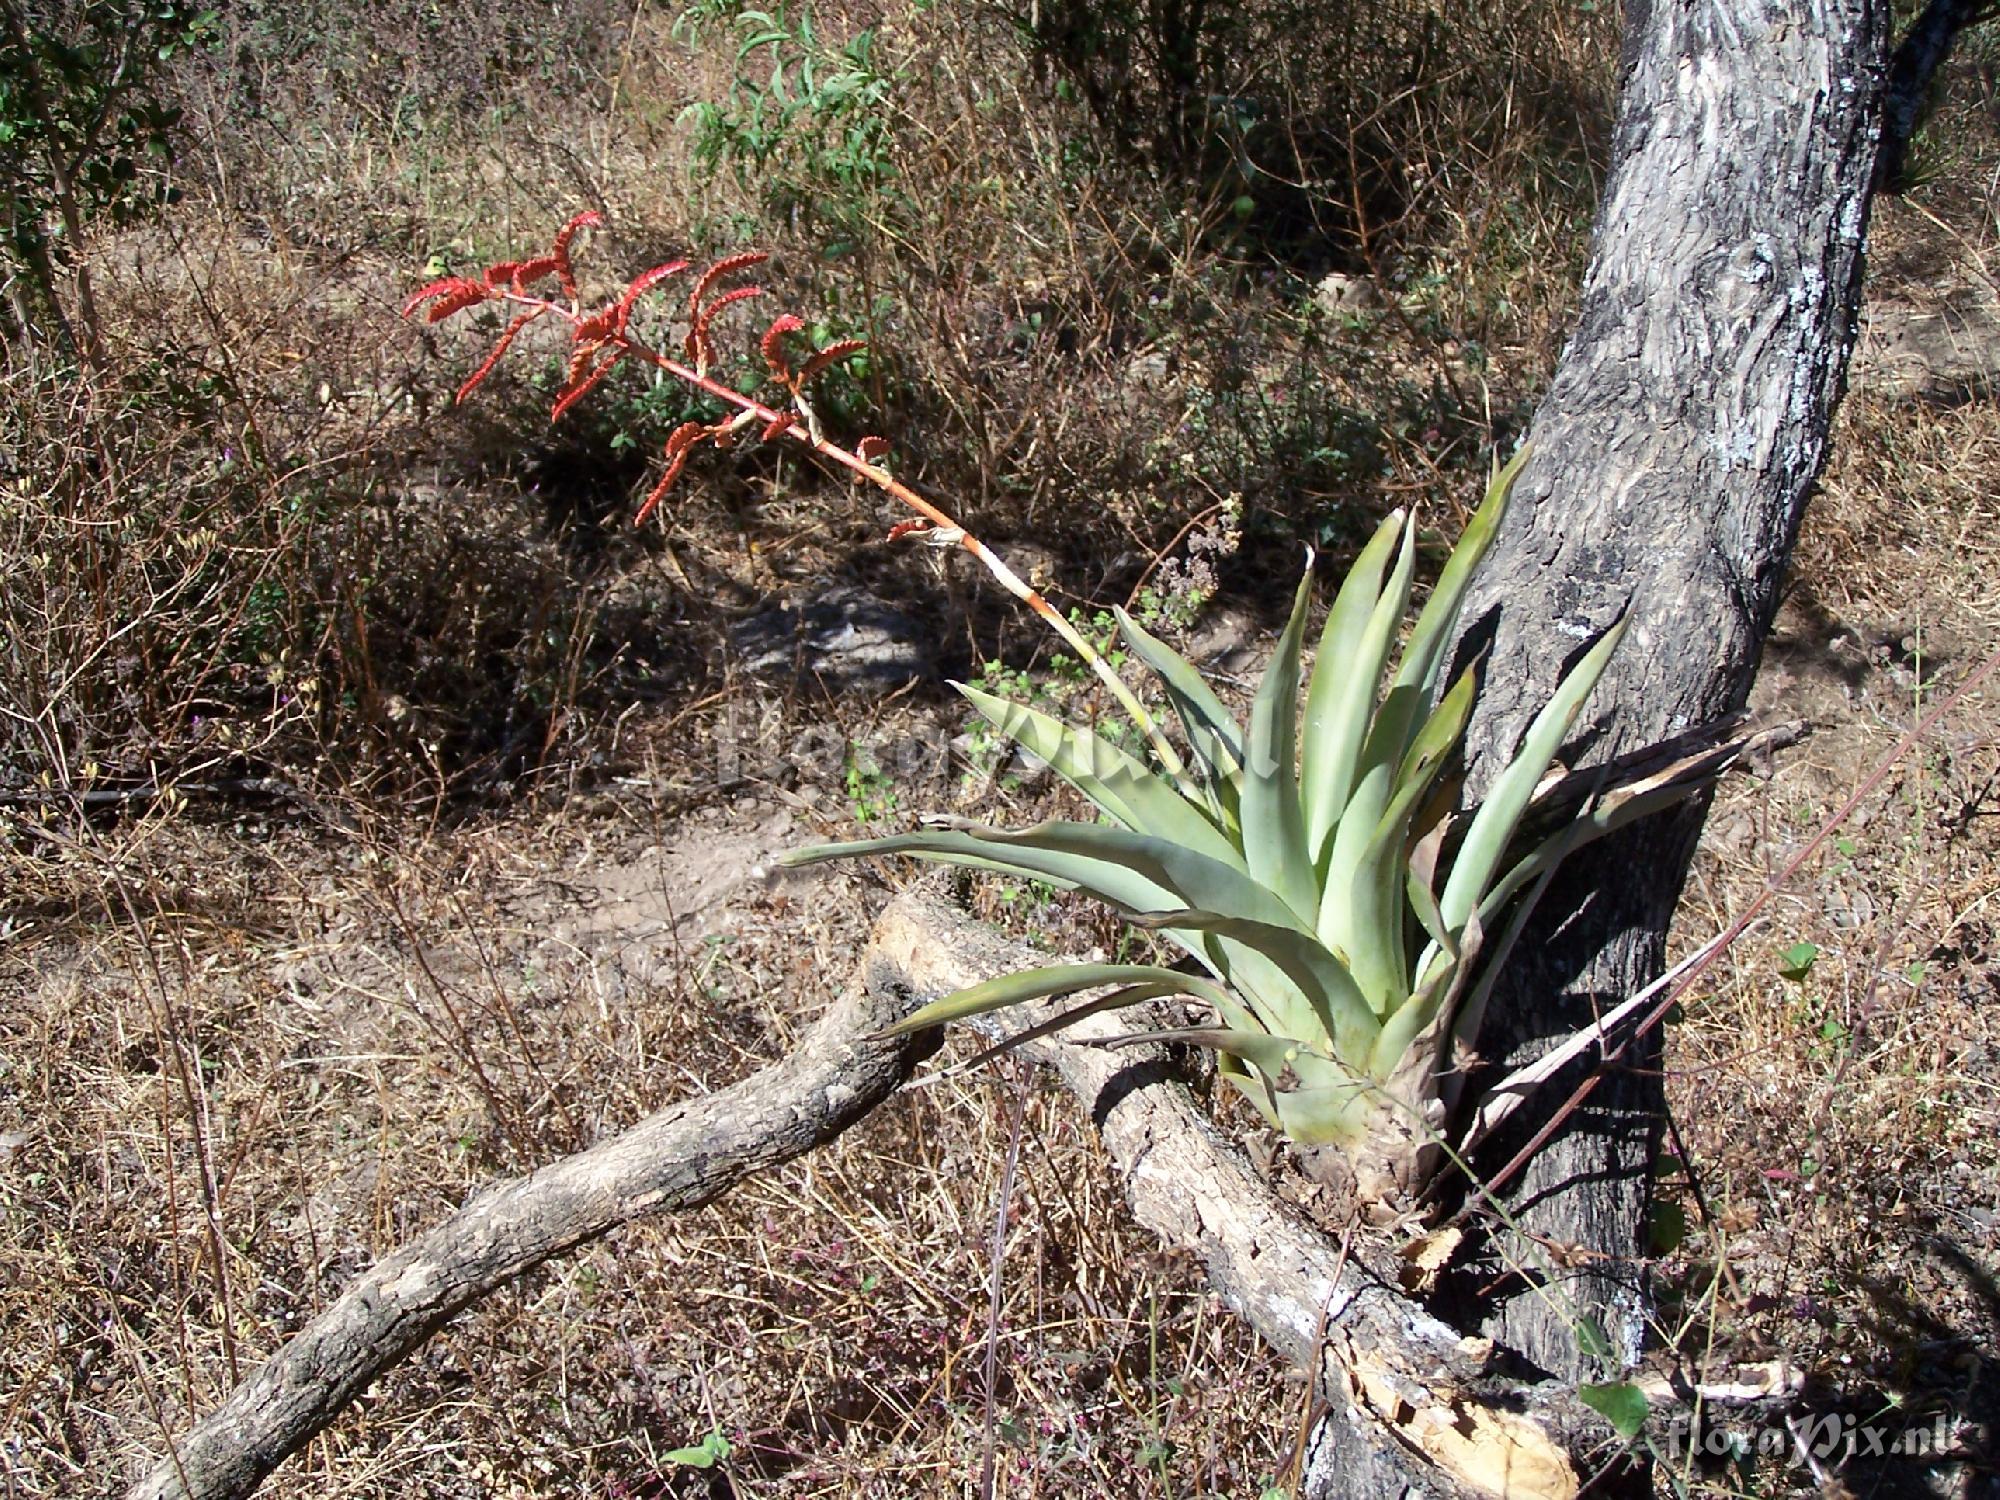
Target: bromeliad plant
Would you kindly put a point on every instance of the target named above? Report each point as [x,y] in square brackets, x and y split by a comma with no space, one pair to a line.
[1308,865]
[1331,906]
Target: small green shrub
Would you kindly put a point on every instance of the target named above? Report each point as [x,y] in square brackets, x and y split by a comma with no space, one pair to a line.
[80,118]
[805,124]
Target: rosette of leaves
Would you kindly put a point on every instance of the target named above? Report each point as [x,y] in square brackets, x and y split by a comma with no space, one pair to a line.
[1309,865]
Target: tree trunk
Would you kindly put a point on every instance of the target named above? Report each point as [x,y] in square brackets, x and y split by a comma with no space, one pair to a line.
[1672,459]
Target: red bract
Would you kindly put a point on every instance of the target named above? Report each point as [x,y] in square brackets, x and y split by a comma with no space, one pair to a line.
[679,446]
[561,257]
[519,275]
[772,344]
[644,282]
[838,350]
[583,385]
[727,266]
[454,294]
[486,367]
[700,348]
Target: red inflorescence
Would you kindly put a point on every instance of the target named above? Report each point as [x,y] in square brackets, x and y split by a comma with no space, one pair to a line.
[727,266]
[561,257]
[700,348]
[773,344]
[453,294]
[679,445]
[644,282]
[486,367]
[584,378]
[600,339]
[833,353]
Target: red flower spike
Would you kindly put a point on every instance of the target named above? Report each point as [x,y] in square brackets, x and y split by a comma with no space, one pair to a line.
[597,328]
[507,338]
[643,283]
[727,266]
[772,344]
[833,353]
[674,467]
[685,437]
[502,273]
[459,291]
[528,272]
[470,295]
[908,528]
[580,358]
[561,256]
[872,448]
[701,347]
[778,426]
[585,386]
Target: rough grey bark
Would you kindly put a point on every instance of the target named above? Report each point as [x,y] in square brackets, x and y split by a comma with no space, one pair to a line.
[1673,455]
[679,1158]
[1912,72]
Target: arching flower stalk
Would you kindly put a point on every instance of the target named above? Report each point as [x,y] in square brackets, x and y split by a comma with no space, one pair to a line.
[601,338]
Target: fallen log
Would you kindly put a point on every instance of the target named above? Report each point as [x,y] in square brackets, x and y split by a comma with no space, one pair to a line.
[1411,1402]
[1412,1405]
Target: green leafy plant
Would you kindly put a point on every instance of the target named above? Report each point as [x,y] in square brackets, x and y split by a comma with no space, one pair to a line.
[706,1454]
[871,791]
[804,122]
[78,121]
[1307,864]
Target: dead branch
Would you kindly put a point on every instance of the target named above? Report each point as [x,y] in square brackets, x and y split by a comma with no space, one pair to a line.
[678,1158]
[1417,1403]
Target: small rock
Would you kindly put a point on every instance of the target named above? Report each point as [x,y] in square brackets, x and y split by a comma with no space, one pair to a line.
[1341,293]
[844,638]
[1224,640]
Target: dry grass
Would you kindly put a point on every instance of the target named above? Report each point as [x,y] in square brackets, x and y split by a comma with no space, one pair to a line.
[1844,1123]
[221,1107]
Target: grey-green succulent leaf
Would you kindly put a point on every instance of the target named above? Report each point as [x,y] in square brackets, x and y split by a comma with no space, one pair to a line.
[1339,1012]
[1117,782]
[1492,827]
[1055,981]
[1274,836]
[1116,1000]
[1423,654]
[1212,731]
[1364,914]
[1374,776]
[1347,674]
